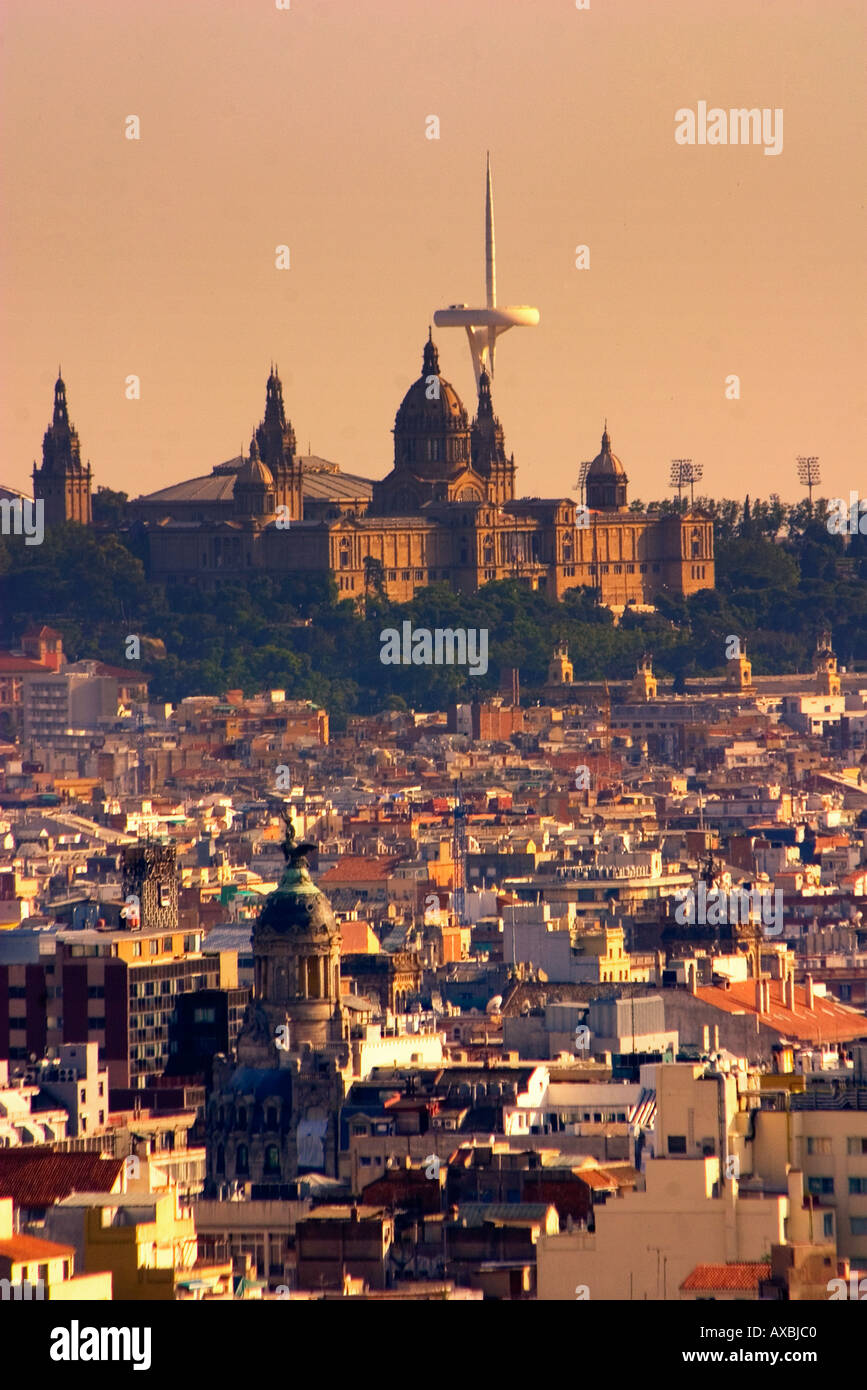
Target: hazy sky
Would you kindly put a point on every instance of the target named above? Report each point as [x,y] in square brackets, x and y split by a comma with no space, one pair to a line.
[306,127]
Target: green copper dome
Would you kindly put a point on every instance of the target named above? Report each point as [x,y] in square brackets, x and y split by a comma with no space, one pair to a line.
[296,906]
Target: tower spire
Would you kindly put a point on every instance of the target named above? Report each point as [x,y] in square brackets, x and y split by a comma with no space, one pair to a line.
[484,325]
[490,249]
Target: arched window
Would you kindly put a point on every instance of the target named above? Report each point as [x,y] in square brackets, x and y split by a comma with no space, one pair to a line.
[488,550]
[221,1159]
[242,1160]
[242,1118]
[696,543]
[272,1159]
[271,1117]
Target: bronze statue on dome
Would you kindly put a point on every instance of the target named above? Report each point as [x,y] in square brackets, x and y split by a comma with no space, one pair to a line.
[294,852]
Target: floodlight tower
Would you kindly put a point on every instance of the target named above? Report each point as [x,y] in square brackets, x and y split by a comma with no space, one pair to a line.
[680,476]
[808,473]
[582,478]
[485,325]
[695,472]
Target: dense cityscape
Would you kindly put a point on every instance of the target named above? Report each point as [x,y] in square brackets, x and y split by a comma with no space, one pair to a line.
[433,730]
[454,1003]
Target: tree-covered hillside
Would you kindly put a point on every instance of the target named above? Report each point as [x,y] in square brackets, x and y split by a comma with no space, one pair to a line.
[781,577]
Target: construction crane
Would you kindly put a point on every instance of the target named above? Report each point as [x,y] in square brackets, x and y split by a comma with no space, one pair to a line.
[606,727]
[459,854]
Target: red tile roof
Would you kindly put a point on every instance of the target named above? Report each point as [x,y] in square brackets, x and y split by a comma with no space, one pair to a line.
[122,673]
[25,1248]
[13,665]
[34,1179]
[827,1021]
[724,1278]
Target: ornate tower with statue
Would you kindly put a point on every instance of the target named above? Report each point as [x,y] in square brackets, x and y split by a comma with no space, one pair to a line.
[272,1114]
[296,959]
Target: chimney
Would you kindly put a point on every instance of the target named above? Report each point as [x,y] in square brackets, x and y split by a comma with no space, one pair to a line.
[808,985]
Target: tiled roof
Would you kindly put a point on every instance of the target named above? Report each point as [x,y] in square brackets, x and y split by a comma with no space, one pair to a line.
[598,1179]
[358,868]
[316,482]
[34,1179]
[506,1213]
[21,1248]
[828,1020]
[725,1278]
[12,665]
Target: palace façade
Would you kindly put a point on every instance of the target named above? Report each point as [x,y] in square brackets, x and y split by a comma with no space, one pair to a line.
[447,511]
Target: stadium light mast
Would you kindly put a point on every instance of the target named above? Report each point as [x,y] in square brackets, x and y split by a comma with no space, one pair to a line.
[808,473]
[581,484]
[695,472]
[683,472]
[679,476]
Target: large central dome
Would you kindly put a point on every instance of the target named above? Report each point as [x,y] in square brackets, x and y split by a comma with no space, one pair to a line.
[431,428]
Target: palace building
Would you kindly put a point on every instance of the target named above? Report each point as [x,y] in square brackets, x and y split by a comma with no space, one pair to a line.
[446,512]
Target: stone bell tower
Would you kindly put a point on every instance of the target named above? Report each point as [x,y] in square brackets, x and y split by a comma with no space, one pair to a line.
[644,684]
[63,482]
[825,667]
